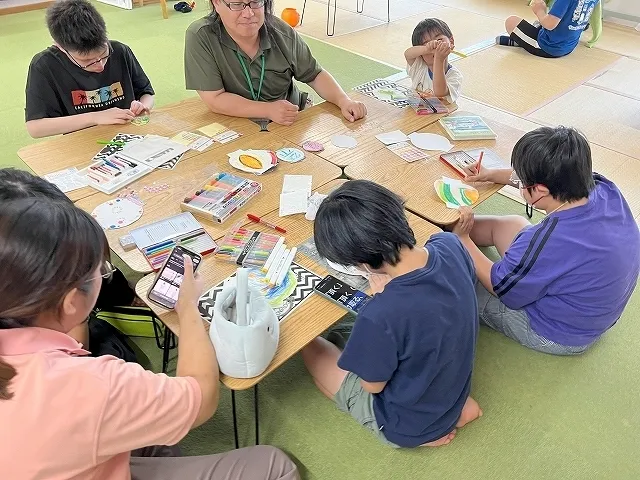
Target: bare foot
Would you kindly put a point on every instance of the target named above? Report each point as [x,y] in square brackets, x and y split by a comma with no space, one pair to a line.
[446,440]
[470,412]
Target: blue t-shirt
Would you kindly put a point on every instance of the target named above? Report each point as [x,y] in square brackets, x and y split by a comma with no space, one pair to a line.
[574,272]
[574,16]
[419,336]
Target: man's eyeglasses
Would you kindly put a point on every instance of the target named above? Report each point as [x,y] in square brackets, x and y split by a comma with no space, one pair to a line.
[95,62]
[240,6]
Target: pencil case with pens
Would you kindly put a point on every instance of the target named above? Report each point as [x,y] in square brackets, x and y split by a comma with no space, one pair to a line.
[112,173]
[198,241]
[220,197]
[247,248]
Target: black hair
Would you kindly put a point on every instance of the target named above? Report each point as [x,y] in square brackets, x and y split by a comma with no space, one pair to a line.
[77,26]
[47,249]
[214,18]
[431,26]
[362,222]
[558,158]
[15,184]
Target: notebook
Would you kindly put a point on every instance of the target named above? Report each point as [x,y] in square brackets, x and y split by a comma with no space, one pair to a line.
[467,128]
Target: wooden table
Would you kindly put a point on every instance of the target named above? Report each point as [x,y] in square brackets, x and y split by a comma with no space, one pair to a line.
[191,173]
[309,320]
[325,120]
[78,148]
[414,181]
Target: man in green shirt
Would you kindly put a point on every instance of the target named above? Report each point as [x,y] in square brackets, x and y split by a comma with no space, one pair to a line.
[242,61]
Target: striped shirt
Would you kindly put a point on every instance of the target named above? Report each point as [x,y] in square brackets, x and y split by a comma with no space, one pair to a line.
[574,272]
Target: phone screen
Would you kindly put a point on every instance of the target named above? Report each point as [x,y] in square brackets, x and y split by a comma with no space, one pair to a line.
[342,293]
[167,284]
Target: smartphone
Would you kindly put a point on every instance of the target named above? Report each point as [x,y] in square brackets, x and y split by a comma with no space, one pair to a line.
[166,286]
[342,293]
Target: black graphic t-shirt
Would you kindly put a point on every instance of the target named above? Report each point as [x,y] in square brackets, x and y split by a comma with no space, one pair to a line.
[57,87]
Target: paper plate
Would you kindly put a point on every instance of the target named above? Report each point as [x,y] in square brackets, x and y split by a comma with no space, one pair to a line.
[311,146]
[430,141]
[344,141]
[253,161]
[117,213]
[454,193]
[291,155]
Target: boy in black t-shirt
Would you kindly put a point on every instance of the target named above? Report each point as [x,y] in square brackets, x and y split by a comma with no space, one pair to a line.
[84,79]
[405,372]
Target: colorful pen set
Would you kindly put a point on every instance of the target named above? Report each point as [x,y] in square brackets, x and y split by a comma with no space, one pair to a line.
[108,169]
[248,247]
[221,196]
[200,242]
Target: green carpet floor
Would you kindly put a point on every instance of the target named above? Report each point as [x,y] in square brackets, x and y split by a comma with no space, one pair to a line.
[545,417]
[158,45]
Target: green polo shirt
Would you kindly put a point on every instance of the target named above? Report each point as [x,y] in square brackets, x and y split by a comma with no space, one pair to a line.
[211,61]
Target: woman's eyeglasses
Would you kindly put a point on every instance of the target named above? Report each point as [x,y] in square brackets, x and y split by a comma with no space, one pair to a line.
[106,271]
[95,62]
[240,6]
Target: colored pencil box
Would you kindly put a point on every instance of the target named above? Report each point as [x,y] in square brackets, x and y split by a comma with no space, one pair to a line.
[198,241]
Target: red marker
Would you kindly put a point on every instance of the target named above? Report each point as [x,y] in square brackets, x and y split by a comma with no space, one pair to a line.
[479,165]
[257,219]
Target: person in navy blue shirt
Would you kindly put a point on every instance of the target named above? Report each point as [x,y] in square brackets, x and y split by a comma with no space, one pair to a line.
[406,369]
[555,34]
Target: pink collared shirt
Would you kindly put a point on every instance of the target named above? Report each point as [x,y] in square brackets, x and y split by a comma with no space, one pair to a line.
[78,417]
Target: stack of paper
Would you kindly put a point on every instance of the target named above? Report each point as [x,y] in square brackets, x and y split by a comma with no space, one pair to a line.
[219,133]
[192,140]
[152,150]
[296,190]
[398,143]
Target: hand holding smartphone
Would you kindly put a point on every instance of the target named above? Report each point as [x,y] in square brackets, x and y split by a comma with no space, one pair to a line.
[166,287]
[342,294]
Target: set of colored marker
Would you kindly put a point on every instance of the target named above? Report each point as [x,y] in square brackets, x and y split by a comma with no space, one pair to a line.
[199,242]
[248,247]
[221,197]
[279,263]
[113,173]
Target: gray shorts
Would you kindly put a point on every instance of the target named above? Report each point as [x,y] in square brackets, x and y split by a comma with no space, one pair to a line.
[515,325]
[354,400]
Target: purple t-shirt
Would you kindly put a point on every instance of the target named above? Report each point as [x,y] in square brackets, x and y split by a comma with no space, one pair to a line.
[574,272]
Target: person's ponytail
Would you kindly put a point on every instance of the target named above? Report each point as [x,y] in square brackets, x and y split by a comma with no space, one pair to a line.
[7,372]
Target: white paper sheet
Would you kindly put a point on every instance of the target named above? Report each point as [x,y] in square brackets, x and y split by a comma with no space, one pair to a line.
[294,183]
[293,202]
[390,138]
[66,180]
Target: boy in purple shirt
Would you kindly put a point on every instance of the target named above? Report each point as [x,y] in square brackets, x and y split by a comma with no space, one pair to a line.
[563,282]
[405,372]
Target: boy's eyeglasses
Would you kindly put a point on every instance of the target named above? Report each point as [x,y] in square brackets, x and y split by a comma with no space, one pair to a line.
[95,62]
[240,6]
[515,180]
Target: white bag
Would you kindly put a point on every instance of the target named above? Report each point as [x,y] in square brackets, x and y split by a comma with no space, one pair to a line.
[243,351]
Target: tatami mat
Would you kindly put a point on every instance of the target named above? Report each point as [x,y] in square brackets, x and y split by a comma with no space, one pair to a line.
[315,19]
[513,80]
[468,29]
[622,78]
[493,8]
[378,8]
[607,119]
[617,39]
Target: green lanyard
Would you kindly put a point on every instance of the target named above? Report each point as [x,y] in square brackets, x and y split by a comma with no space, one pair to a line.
[248,77]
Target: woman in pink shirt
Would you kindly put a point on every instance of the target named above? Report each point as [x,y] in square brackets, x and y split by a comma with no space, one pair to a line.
[66,415]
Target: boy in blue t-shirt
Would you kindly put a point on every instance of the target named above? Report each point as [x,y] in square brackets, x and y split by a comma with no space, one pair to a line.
[557,33]
[562,283]
[406,369]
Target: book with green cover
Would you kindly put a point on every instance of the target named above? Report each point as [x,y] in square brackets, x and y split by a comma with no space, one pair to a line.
[470,127]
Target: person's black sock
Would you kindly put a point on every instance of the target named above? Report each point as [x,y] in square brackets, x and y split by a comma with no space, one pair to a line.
[506,41]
